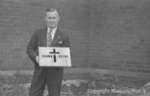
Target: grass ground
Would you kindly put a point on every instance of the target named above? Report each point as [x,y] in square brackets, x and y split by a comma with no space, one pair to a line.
[17,83]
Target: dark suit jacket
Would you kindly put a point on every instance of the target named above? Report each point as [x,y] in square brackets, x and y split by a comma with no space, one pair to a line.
[39,39]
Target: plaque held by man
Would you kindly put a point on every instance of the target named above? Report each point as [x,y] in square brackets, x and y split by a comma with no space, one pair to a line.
[54,57]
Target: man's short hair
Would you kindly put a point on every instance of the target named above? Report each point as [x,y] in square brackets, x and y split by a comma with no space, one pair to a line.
[51,10]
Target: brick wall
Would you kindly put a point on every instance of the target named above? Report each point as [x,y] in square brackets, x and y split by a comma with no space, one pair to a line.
[120,35]
[106,34]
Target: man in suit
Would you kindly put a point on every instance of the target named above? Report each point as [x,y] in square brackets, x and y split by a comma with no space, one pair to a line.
[50,36]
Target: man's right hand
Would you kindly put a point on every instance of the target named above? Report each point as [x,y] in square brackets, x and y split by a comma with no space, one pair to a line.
[37,59]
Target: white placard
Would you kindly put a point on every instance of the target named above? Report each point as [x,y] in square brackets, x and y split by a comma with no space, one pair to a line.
[54,57]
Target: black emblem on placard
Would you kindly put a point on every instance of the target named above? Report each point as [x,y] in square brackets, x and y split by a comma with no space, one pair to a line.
[54,54]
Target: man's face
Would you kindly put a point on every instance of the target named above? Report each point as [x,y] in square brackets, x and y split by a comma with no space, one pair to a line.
[52,19]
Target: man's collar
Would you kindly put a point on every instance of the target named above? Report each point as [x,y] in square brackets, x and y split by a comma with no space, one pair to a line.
[53,29]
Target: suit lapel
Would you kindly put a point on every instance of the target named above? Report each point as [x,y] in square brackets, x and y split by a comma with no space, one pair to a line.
[45,36]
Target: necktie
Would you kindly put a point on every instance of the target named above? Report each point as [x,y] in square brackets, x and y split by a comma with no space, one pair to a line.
[49,38]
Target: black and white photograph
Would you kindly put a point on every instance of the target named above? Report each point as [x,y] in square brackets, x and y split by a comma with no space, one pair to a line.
[74,47]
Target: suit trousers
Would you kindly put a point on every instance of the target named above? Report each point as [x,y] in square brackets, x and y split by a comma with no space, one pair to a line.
[52,77]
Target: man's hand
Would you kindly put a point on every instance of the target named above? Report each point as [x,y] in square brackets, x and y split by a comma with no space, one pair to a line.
[37,59]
